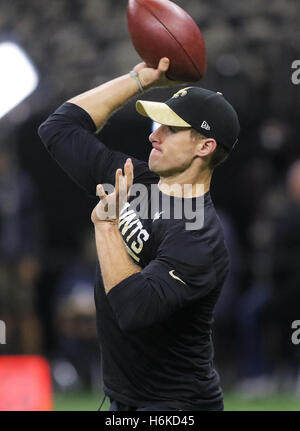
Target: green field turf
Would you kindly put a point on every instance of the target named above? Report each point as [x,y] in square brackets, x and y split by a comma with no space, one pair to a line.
[232,402]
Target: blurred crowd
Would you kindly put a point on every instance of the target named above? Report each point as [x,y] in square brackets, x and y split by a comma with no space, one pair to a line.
[47,257]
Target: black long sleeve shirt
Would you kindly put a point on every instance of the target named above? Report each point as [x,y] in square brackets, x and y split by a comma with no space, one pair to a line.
[155,326]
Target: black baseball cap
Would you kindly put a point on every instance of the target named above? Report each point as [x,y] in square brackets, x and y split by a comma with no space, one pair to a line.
[206,111]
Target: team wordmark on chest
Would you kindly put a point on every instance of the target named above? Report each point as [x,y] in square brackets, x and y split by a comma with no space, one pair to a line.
[133,232]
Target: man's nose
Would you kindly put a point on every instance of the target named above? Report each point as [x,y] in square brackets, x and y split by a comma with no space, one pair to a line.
[156,135]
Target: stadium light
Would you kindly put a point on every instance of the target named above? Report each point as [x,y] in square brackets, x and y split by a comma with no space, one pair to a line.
[155,126]
[18,76]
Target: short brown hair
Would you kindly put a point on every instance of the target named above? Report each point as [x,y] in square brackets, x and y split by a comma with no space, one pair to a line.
[219,155]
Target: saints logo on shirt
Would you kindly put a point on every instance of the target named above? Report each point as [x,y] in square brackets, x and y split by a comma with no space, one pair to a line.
[133,232]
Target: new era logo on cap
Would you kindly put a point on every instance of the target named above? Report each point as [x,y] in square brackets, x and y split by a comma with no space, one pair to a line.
[205,125]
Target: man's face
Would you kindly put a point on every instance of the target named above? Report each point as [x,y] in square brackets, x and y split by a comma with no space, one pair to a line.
[173,150]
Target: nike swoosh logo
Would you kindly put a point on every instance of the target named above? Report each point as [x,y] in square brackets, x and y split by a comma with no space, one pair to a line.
[175,276]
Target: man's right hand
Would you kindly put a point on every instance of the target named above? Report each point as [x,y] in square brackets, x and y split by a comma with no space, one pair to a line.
[151,78]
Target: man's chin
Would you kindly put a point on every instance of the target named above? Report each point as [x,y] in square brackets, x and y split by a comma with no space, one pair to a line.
[154,167]
[157,167]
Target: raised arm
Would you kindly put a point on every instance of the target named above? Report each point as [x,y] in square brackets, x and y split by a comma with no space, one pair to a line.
[101,102]
[68,134]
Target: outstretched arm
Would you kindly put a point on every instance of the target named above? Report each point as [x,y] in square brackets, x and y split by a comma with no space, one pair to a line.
[68,133]
[101,102]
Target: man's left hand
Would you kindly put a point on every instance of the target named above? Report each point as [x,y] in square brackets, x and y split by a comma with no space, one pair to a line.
[109,207]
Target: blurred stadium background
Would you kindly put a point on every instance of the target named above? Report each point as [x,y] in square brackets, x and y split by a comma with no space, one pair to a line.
[47,258]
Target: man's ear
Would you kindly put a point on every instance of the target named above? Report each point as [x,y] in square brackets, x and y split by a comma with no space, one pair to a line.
[205,147]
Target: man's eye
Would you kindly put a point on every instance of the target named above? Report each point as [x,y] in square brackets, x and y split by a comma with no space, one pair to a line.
[172,129]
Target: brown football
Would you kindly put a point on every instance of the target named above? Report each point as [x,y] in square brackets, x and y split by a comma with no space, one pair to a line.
[160,28]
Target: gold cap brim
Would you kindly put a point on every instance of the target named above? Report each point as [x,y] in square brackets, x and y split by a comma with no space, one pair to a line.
[160,113]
